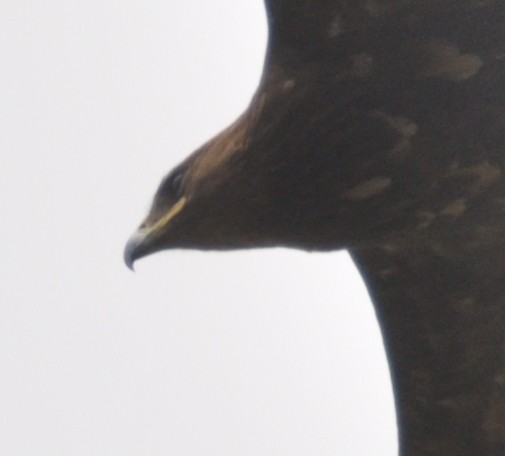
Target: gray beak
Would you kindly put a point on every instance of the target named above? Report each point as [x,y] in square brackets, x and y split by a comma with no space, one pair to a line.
[143,241]
[136,247]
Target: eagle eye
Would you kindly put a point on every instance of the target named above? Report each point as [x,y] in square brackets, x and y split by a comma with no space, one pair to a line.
[172,184]
[176,183]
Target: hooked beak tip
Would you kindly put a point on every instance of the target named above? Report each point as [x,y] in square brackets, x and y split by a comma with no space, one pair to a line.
[134,249]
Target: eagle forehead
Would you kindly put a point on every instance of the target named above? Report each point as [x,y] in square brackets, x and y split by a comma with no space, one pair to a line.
[214,155]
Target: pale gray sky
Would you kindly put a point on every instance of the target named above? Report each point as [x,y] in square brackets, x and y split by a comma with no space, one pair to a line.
[268,353]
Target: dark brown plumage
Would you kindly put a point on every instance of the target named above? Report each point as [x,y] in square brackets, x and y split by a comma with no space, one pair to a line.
[378,127]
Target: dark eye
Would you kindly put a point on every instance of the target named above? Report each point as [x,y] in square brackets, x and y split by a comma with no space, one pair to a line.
[176,183]
[172,184]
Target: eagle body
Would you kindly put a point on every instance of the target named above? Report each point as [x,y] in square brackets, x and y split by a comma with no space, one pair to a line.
[378,127]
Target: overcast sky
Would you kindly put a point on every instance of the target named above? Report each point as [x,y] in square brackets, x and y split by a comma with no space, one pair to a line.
[269,353]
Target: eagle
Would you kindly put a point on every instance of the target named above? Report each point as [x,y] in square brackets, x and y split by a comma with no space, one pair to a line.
[378,126]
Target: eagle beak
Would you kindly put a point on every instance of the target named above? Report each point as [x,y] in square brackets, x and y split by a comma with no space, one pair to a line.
[135,248]
[143,241]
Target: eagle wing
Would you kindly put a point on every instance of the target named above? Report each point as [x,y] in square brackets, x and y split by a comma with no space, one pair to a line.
[435,71]
[441,309]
